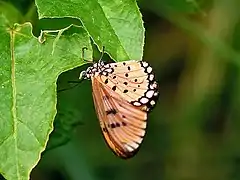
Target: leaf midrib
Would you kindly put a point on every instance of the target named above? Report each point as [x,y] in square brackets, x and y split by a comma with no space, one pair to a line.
[14,113]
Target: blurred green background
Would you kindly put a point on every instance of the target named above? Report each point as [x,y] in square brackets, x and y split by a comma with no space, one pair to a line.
[194,131]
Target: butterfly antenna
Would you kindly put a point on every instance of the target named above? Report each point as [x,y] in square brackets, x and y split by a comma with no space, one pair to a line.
[103,49]
[75,85]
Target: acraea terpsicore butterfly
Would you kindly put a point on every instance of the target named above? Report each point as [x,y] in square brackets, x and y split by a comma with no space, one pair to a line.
[123,94]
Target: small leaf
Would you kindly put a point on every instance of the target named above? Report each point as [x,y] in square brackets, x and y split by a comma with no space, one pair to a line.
[28,74]
[115,24]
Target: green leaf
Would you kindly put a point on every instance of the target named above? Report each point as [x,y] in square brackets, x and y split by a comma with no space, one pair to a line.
[28,74]
[115,24]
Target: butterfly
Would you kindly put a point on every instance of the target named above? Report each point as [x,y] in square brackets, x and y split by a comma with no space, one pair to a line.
[123,93]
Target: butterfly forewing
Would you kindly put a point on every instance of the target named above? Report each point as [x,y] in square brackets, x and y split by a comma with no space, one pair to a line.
[123,95]
[134,81]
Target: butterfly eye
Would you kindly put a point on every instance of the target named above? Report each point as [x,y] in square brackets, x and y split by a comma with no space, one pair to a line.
[83,75]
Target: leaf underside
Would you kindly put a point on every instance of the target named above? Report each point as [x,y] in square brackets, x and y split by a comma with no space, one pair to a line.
[115,24]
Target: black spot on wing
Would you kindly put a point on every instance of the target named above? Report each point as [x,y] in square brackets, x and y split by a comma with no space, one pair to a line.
[123,123]
[111,111]
[105,97]
[115,125]
[104,129]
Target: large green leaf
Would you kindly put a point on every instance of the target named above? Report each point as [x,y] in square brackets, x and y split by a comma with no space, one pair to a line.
[115,24]
[28,74]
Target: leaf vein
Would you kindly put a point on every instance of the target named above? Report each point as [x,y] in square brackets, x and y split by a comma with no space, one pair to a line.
[31,131]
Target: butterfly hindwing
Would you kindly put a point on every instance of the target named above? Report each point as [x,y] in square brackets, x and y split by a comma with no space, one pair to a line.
[122,124]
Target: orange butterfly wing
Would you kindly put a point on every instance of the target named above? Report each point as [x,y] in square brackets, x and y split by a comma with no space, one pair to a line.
[123,125]
[122,100]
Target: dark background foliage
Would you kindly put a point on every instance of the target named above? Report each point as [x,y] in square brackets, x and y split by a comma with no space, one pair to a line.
[192,134]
